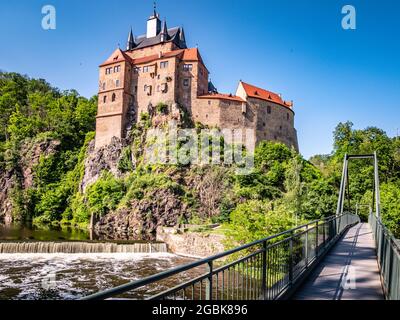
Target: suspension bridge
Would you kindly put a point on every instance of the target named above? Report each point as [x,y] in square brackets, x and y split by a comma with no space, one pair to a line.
[335,258]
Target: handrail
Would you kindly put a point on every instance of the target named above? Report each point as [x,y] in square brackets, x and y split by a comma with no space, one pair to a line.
[260,258]
[388,256]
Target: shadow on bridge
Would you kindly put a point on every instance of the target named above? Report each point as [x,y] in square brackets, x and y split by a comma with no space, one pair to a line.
[348,272]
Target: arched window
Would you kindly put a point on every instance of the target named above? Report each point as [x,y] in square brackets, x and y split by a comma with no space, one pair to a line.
[104,99]
[113,97]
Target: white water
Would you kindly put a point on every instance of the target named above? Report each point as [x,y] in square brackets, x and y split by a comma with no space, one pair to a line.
[70,276]
[79,247]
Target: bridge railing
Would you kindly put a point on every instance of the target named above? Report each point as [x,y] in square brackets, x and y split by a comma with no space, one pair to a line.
[388,254]
[268,269]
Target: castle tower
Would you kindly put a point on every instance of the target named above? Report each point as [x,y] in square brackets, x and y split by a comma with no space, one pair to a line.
[153,25]
[113,99]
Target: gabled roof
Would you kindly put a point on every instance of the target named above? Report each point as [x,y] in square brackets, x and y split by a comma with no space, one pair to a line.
[192,54]
[259,93]
[221,96]
[117,56]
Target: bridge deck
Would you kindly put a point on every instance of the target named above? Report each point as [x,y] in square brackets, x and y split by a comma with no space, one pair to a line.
[353,257]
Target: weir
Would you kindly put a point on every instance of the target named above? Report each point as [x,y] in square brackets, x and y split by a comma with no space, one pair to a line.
[80,247]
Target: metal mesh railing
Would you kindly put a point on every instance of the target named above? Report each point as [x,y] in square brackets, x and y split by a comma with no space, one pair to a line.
[388,254]
[265,269]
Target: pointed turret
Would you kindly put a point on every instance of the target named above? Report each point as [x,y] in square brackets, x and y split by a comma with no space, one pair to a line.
[182,39]
[131,41]
[164,32]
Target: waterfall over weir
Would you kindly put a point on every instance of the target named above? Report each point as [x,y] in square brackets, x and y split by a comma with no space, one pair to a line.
[80,247]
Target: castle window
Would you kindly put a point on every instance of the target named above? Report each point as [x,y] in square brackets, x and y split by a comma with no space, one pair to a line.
[268,109]
[104,86]
[163,64]
[113,97]
[264,124]
[287,116]
[147,89]
[117,68]
[146,69]
[108,70]
[187,67]
[104,99]
[117,83]
[186,82]
[280,127]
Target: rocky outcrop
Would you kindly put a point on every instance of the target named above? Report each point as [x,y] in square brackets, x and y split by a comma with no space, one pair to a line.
[159,207]
[6,184]
[105,158]
[22,176]
[30,156]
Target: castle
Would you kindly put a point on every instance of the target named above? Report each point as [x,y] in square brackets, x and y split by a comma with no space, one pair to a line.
[158,67]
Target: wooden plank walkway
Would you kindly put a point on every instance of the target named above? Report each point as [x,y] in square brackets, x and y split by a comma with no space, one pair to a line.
[353,257]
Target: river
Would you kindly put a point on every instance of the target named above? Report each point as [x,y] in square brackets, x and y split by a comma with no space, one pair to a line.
[32,276]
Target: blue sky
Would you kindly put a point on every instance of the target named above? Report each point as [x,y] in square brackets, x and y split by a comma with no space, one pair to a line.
[296,48]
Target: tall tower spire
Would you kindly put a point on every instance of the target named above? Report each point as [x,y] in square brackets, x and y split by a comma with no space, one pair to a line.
[155,9]
[131,41]
[153,24]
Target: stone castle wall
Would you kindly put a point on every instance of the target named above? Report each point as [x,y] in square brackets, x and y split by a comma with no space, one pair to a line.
[166,81]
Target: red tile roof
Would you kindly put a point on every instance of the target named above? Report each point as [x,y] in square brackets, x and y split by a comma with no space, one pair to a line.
[255,92]
[118,55]
[221,96]
[191,54]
